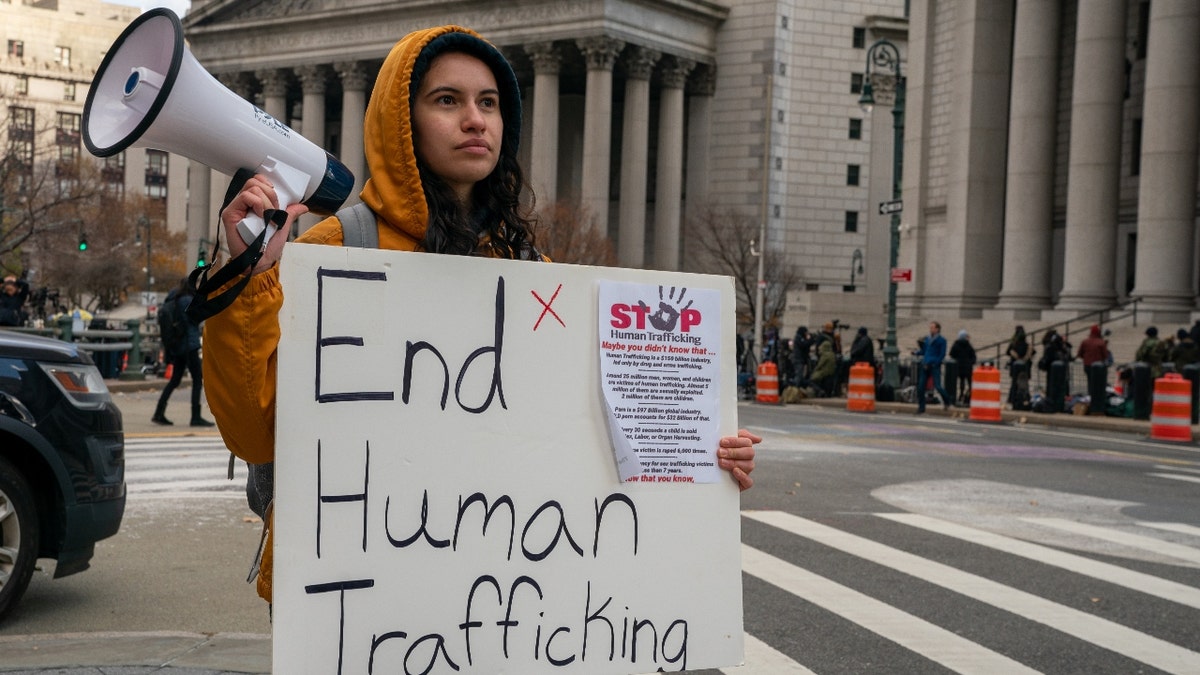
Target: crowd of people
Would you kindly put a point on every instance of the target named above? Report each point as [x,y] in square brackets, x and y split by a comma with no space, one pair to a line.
[816,364]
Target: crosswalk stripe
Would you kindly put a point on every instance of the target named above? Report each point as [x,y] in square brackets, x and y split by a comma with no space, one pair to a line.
[933,642]
[1181,528]
[762,659]
[208,484]
[1106,634]
[1175,476]
[1118,537]
[1114,574]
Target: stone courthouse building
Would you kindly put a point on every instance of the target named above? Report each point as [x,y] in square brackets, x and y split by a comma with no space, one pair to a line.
[640,110]
[1050,147]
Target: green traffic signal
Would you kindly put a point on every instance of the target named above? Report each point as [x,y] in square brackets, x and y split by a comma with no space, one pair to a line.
[201,259]
[82,243]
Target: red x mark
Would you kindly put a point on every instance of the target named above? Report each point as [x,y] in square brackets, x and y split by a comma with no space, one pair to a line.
[546,308]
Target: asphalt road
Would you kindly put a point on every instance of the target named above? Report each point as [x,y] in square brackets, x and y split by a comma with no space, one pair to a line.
[871,544]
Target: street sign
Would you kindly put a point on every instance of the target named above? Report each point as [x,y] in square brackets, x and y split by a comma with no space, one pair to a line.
[149,298]
[901,275]
[894,206]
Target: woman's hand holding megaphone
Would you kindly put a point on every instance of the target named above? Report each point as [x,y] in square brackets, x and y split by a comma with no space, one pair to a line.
[257,197]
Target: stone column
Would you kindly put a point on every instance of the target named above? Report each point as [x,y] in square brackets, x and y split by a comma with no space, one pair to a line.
[313,82]
[1094,176]
[274,86]
[1164,278]
[601,53]
[635,139]
[543,166]
[668,190]
[1029,198]
[701,86]
[354,107]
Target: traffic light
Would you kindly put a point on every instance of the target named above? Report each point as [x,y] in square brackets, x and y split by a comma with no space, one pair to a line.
[201,257]
[82,242]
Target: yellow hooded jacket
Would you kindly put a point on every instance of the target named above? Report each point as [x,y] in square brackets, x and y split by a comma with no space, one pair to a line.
[240,343]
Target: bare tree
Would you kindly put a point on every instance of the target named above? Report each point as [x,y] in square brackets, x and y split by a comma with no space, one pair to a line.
[54,198]
[722,241]
[563,232]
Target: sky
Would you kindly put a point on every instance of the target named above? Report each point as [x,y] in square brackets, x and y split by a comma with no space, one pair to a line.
[180,6]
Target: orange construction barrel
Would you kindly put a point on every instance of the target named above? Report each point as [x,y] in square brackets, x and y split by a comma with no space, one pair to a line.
[767,383]
[1171,415]
[985,394]
[860,396]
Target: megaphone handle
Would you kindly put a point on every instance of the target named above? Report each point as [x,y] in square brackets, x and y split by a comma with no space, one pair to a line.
[251,226]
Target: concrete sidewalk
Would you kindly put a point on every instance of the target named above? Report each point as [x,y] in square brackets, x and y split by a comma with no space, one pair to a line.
[171,653]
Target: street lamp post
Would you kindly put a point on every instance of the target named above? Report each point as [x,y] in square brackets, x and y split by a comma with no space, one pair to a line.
[144,224]
[883,55]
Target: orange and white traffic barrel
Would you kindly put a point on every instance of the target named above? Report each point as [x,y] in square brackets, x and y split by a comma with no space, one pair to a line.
[1171,414]
[860,396]
[767,383]
[985,394]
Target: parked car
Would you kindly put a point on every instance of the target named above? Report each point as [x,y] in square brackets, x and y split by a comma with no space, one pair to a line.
[62,460]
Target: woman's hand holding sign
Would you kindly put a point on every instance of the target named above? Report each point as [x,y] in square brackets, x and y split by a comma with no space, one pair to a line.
[736,455]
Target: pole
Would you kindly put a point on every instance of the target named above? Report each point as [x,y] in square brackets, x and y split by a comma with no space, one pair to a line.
[760,291]
[884,54]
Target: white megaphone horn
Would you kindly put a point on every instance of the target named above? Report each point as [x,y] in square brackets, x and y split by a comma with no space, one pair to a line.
[151,92]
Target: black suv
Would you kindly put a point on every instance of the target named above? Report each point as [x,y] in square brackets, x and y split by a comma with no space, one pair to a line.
[62,460]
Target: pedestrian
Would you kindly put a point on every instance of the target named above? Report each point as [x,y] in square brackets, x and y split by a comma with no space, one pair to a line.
[12,301]
[1152,352]
[1186,351]
[181,349]
[933,353]
[441,132]
[862,350]
[963,353]
[801,354]
[1093,348]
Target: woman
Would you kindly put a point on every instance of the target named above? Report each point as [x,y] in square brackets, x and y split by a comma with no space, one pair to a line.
[440,136]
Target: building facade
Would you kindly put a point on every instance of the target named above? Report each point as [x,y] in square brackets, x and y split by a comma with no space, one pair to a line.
[640,110]
[1051,158]
[52,51]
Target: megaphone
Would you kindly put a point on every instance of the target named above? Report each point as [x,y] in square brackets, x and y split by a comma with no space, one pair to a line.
[151,92]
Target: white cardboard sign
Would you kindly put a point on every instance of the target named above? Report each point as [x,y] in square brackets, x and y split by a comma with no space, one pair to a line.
[447,499]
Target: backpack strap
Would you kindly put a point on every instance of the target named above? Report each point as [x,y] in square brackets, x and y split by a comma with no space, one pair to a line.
[358,226]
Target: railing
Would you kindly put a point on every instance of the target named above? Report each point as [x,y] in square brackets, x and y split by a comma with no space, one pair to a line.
[1097,317]
[105,345]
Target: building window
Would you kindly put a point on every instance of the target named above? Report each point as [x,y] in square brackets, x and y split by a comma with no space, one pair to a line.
[22,86]
[855,128]
[69,91]
[856,83]
[812,287]
[860,37]
[62,56]
[1135,148]
[156,174]
[783,21]
[852,174]
[852,221]
[113,174]
[21,145]
[16,49]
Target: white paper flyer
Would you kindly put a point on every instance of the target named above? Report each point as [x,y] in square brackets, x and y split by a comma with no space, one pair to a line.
[659,356]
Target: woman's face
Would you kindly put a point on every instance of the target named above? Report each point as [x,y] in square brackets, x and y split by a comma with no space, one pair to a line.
[457,125]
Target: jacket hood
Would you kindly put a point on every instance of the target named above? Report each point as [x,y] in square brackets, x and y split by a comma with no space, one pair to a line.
[394,191]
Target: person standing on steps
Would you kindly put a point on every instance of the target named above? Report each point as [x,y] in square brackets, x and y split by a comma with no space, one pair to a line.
[181,349]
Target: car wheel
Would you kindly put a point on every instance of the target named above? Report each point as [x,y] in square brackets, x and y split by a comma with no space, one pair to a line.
[18,536]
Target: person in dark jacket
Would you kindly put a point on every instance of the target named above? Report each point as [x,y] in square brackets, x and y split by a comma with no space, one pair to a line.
[963,353]
[862,350]
[12,301]
[1185,350]
[185,355]
[802,354]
